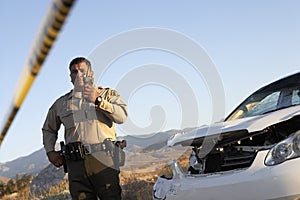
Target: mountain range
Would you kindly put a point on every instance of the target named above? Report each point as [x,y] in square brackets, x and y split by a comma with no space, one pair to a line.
[31,164]
[37,161]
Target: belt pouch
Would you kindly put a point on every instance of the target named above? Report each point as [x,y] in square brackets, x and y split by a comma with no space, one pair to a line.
[75,151]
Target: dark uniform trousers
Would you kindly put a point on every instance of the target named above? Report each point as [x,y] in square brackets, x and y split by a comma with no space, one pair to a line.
[90,178]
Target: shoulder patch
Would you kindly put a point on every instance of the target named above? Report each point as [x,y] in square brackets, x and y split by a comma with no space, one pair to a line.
[113,92]
[107,92]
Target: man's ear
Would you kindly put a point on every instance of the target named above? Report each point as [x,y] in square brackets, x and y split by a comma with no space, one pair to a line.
[72,81]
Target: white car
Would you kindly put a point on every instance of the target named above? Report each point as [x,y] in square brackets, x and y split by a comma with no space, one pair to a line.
[254,154]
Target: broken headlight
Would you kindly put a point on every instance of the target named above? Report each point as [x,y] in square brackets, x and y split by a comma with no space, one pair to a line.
[284,150]
[196,163]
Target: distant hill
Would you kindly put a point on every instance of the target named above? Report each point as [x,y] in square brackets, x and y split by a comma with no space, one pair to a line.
[139,142]
[49,176]
[31,164]
[152,141]
[3,179]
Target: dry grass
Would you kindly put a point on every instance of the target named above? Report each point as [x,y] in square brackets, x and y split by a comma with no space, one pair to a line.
[137,184]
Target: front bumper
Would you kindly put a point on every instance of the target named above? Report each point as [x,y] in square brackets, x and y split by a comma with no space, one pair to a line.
[258,182]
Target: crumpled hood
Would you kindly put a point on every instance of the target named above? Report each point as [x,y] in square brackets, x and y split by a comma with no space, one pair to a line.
[234,128]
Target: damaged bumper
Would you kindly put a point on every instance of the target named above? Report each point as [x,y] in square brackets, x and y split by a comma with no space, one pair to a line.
[258,182]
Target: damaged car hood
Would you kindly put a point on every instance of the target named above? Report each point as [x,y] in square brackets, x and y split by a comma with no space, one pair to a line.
[229,131]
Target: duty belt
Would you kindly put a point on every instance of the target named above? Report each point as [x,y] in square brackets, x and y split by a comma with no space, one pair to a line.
[92,148]
[77,150]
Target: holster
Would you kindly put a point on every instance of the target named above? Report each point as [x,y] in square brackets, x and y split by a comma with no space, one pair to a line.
[116,150]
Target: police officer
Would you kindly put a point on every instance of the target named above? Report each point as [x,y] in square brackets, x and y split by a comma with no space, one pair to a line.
[89,114]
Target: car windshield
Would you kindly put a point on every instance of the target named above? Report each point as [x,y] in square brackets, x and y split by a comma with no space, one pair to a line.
[275,96]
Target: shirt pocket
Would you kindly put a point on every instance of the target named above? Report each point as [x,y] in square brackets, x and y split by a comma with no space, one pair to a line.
[67,118]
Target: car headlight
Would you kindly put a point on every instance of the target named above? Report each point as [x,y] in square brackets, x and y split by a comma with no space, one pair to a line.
[297,144]
[284,150]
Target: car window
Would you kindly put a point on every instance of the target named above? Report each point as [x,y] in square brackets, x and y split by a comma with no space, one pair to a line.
[262,103]
[277,95]
[263,106]
[296,97]
[256,105]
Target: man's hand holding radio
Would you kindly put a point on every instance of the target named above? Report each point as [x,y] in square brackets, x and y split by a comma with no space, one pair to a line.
[90,92]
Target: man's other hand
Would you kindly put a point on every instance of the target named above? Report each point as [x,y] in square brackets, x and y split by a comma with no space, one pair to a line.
[55,158]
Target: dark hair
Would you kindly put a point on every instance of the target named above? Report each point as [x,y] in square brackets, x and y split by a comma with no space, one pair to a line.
[80,60]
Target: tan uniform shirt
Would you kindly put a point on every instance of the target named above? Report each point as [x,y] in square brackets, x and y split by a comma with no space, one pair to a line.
[82,120]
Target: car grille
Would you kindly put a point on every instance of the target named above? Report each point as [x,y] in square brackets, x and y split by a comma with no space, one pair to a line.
[240,160]
[224,162]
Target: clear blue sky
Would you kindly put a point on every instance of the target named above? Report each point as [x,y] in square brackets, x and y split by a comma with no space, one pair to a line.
[251,44]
